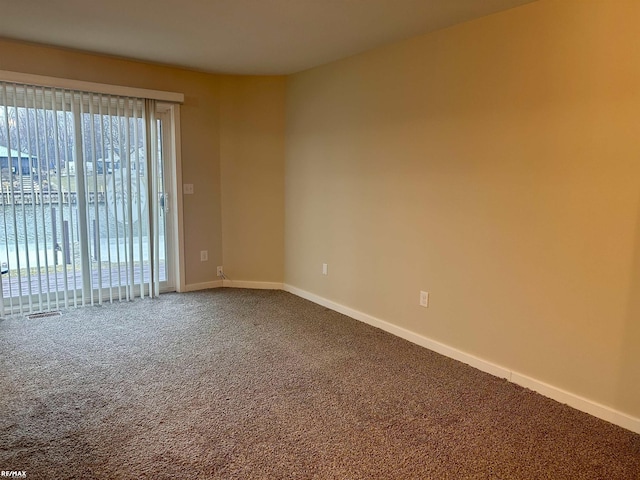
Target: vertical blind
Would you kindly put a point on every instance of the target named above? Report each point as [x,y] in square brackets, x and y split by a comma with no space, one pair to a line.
[79,189]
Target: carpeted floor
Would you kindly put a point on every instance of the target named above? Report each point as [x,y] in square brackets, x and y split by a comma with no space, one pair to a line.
[244,384]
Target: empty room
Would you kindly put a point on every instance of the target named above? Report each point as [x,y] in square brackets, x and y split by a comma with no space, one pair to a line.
[320,239]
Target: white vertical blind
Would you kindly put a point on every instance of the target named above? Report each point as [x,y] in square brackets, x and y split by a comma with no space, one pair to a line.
[79,198]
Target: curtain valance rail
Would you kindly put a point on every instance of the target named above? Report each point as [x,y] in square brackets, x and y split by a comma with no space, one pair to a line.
[90,87]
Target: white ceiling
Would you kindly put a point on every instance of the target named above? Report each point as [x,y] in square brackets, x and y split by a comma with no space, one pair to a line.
[259,37]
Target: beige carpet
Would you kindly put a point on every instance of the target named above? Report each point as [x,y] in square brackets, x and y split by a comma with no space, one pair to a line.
[246,384]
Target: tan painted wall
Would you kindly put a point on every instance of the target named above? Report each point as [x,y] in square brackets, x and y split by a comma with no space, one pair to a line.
[496,165]
[201,122]
[252,168]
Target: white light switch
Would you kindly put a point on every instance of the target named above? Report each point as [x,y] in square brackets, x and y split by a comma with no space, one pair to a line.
[187,188]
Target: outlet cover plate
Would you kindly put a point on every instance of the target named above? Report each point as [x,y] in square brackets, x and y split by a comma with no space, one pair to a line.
[424,299]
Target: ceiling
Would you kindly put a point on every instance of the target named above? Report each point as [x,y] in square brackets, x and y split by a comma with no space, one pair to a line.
[260,37]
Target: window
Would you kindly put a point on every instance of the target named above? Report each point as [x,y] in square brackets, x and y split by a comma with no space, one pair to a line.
[85,187]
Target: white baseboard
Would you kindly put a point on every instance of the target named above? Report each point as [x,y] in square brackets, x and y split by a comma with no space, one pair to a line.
[192,287]
[438,347]
[579,403]
[250,284]
[585,405]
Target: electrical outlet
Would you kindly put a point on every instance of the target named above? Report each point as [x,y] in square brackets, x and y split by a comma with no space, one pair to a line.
[424,299]
[187,188]
[325,269]
[204,255]
[219,271]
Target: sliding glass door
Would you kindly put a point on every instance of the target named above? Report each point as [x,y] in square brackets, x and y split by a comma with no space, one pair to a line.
[84,198]
[166,219]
